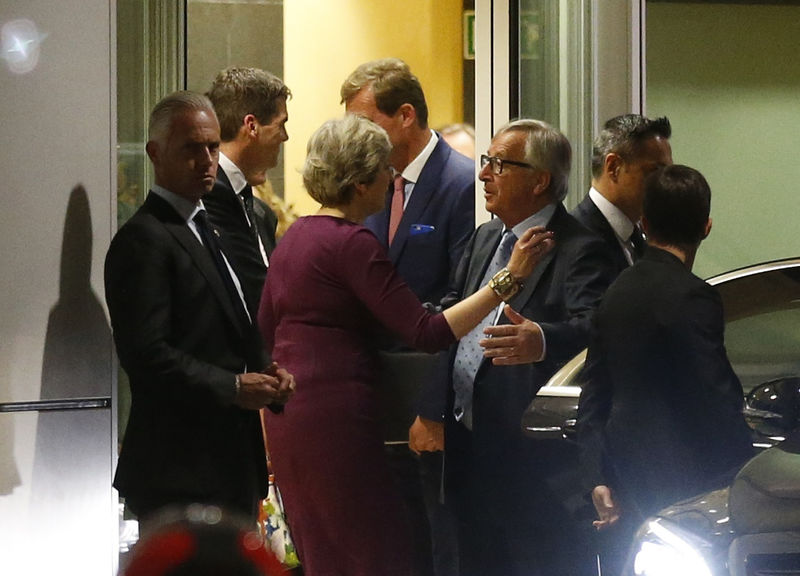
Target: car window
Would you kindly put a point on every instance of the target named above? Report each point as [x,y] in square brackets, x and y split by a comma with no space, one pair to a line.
[762,325]
[762,331]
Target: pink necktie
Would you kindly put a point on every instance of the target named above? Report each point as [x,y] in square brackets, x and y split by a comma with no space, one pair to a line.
[398,199]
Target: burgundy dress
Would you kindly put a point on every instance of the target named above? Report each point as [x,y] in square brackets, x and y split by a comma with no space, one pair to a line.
[329,291]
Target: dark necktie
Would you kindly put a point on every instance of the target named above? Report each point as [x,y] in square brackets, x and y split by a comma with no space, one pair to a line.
[247,200]
[211,244]
[638,242]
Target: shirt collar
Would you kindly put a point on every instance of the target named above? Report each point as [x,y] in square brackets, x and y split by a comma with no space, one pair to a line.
[185,208]
[540,218]
[234,174]
[414,169]
[621,224]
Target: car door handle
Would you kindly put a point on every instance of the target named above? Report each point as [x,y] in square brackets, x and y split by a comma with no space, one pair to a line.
[570,429]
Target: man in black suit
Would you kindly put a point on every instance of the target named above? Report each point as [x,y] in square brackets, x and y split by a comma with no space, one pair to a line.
[424,226]
[510,521]
[184,337]
[251,106]
[660,416]
[627,149]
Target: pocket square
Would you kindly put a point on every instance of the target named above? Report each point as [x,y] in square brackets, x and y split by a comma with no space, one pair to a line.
[417,229]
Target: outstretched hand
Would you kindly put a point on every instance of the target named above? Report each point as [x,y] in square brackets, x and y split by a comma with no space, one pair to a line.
[529,249]
[520,342]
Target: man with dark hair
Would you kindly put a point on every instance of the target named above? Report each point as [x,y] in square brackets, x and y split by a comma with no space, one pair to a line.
[627,149]
[251,107]
[184,337]
[428,216]
[510,520]
[660,416]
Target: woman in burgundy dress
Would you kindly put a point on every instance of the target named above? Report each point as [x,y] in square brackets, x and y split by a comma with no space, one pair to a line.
[330,291]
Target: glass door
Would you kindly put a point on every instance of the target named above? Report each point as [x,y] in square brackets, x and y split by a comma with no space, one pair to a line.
[571,63]
[150,64]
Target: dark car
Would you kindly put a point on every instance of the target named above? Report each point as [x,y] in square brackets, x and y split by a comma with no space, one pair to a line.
[751,528]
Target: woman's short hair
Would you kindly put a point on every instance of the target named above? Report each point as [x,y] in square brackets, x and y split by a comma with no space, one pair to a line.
[342,153]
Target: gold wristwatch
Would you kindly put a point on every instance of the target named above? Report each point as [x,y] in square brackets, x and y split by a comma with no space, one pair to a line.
[505,285]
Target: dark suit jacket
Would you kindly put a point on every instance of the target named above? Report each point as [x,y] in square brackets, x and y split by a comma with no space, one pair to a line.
[226,213]
[561,296]
[181,344]
[495,466]
[588,214]
[436,224]
[660,415]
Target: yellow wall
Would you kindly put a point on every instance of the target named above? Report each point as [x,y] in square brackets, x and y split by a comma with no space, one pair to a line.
[325,40]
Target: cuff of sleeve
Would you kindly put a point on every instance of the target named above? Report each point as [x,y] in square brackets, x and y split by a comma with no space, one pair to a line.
[544,344]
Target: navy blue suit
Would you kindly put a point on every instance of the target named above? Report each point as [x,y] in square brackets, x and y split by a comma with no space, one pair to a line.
[436,224]
[510,519]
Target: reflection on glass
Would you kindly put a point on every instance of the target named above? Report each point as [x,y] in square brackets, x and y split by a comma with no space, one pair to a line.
[150,65]
[538,60]
[762,334]
[20,41]
[552,76]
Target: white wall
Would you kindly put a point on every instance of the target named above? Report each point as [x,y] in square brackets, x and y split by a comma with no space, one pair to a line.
[56,511]
[728,77]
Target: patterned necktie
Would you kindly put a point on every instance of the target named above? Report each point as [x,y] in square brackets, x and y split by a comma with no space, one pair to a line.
[211,244]
[469,355]
[398,201]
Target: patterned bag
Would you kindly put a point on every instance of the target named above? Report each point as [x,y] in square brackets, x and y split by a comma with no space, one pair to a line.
[272,520]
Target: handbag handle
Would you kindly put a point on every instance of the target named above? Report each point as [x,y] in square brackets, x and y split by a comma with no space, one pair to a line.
[262,417]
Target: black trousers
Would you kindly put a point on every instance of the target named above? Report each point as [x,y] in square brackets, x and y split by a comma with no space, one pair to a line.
[419,481]
[510,520]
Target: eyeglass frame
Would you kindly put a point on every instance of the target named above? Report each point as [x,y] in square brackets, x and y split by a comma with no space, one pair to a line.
[497,163]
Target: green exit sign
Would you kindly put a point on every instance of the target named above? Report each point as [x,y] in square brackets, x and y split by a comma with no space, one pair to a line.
[469,35]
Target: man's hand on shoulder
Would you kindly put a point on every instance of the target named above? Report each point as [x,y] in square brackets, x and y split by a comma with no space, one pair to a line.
[520,342]
[257,390]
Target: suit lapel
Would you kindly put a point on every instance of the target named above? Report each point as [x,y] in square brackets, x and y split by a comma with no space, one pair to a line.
[604,230]
[175,225]
[267,237]
[226,194]
[379,223]
[424,189]
[486,243]
[529,286]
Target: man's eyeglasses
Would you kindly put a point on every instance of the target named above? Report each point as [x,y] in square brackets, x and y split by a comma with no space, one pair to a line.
[498,163]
